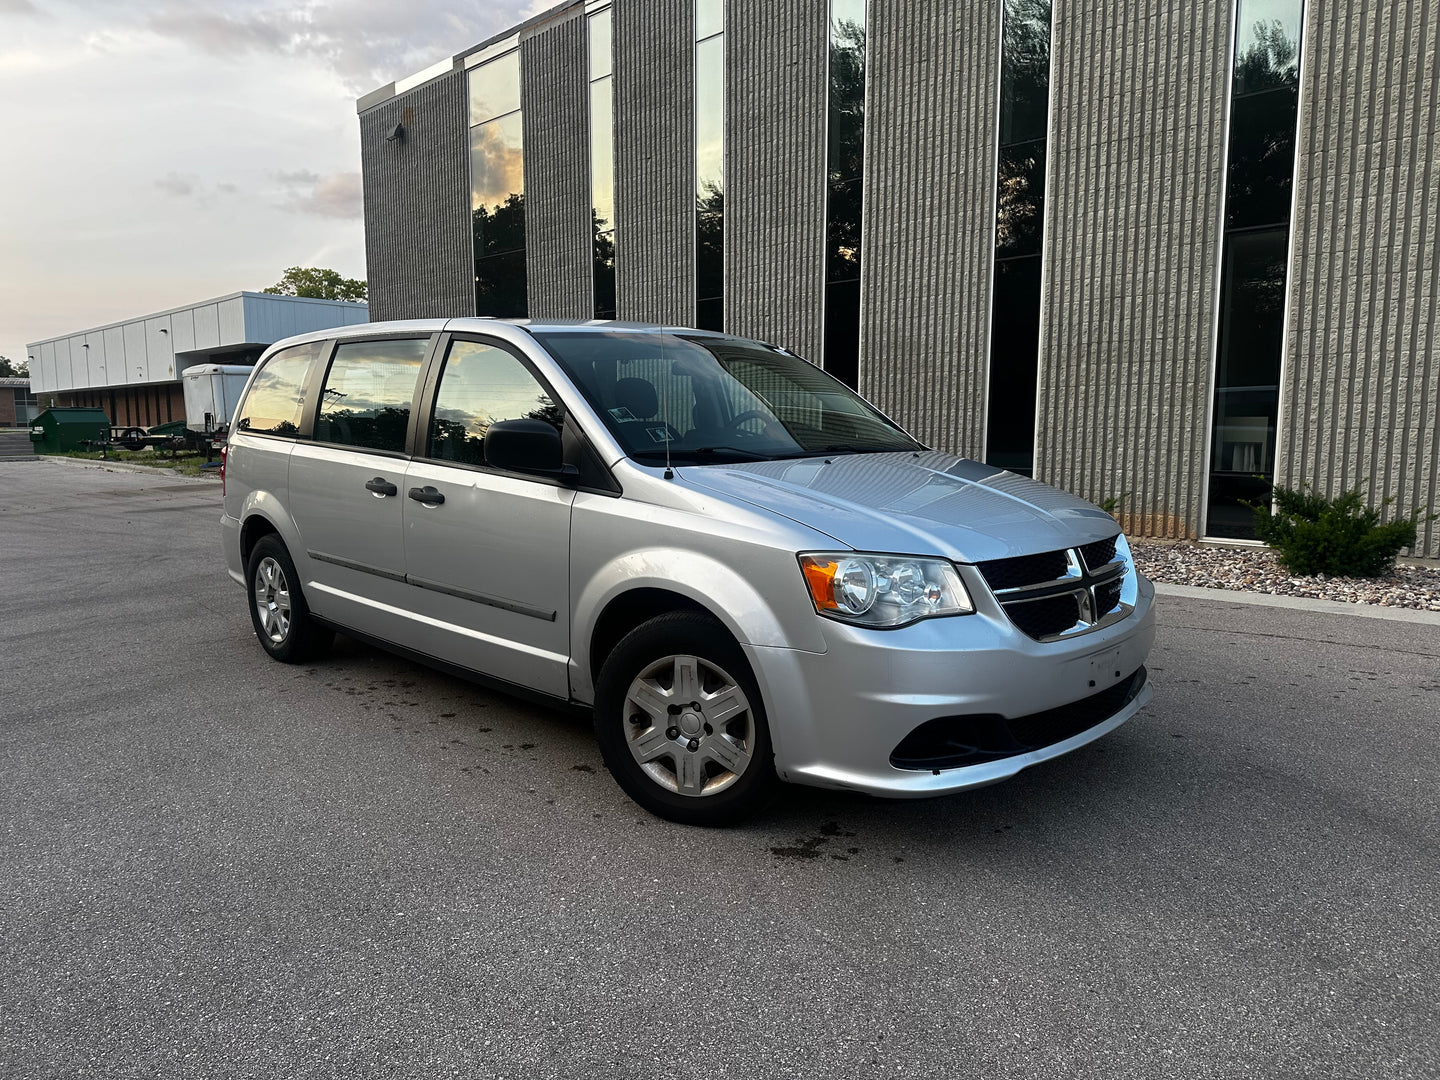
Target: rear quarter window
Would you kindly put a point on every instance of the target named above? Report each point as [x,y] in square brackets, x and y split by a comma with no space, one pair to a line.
[277,393]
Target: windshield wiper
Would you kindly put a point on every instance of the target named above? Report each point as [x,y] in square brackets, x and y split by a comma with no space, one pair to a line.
[704,451]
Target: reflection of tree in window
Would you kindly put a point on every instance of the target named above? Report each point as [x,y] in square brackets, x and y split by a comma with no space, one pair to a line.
[1262,129]
[479,386]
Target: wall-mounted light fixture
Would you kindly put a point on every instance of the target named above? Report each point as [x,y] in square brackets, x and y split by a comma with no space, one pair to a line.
[397,134]
[164,330]
[85,345]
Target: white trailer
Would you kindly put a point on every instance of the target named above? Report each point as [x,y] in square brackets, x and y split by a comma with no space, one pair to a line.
[211,393]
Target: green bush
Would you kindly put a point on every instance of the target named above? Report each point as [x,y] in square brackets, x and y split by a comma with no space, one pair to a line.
[1343,538]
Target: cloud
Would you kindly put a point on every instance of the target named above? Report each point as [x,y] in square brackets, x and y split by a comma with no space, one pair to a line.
[177,185]
[18,7]
[366,43]
[338,195]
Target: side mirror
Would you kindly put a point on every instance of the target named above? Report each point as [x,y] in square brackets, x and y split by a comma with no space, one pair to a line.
[525,446]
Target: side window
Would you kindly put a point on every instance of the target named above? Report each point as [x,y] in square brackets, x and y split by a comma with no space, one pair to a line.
[367,395]
[272,407]
[480,385]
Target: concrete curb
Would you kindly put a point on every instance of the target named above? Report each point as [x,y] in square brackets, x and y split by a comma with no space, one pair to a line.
[121,466]
[1300,603]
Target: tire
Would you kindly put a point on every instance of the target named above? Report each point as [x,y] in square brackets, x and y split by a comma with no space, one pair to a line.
[133,439]
[278,610]
[708,766]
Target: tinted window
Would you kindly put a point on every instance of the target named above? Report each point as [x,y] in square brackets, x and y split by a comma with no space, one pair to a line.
[480,385]
[709,399]
[367,395]
[272,407]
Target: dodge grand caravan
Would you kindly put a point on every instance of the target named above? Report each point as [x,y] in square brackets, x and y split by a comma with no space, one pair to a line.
[742,569]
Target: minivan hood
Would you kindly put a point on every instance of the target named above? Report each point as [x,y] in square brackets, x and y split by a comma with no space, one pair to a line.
[924,503]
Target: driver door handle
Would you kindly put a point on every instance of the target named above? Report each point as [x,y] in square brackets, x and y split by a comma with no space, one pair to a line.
[427,495]
[382,487]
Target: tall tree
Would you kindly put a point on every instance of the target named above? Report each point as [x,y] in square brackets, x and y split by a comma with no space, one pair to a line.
[11,370]
[318,283]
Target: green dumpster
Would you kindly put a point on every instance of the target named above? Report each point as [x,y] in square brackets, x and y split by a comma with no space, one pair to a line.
[58,431]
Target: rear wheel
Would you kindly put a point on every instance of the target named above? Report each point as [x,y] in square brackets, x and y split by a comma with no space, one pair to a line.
[680,722]
[282,619]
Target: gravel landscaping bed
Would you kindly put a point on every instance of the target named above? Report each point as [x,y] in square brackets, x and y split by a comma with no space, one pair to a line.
[1256,570]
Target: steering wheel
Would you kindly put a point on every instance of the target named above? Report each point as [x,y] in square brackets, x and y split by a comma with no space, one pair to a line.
[733,424]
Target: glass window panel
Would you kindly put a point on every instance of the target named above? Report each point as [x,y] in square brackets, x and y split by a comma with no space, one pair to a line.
[495,88]
[1014,349]
[709,18]
[843,232]
[367,395]
[1262,159]
[600,47]
[1020,200]
[709,113]
[845,153]
[847,91]
[479,386]
[1267,45]
[273,404]
[709,183]
[602,153]
[500,289]
[1025,71]
[497,162]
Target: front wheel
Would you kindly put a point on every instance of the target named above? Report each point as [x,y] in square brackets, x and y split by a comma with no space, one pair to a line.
[281,617]
[680,722]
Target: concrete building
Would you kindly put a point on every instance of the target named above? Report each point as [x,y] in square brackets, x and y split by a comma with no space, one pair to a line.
[131,369]
[1160,250]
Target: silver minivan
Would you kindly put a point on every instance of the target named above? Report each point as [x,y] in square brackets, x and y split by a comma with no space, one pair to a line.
[742,569]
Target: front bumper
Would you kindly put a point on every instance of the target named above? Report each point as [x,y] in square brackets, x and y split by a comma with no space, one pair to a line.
[836,717]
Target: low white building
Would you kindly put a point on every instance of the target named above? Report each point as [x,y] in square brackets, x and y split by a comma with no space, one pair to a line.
[131,369]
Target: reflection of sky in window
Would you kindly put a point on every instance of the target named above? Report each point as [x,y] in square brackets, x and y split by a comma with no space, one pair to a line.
[600,44]
[602,151]
[709,112]
[369,376]
[495,88]
[482,384]
[709,18]
[1285,12]
[845,11]
[497,161]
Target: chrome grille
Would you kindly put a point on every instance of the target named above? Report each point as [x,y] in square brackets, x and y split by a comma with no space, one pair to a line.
[1056,594]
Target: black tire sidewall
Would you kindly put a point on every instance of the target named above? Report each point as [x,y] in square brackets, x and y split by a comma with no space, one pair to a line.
[300,641]
[680,633]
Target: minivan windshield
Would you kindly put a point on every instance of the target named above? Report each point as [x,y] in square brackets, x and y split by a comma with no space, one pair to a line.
[706,400]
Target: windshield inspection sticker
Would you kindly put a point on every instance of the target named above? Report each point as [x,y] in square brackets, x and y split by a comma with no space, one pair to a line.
[659,434]
[622,413]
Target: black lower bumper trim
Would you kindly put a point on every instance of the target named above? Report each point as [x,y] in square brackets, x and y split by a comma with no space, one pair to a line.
[952,742]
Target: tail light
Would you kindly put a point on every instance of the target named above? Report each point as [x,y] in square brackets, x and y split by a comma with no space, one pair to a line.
[223,451]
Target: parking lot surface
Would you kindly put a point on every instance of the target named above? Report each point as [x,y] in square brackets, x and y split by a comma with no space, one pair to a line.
[215,865]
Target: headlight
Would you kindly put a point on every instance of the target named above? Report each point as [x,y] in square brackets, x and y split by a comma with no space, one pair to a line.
[883,590]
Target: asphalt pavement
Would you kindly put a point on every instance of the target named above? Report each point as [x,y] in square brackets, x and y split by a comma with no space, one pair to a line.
[212,864]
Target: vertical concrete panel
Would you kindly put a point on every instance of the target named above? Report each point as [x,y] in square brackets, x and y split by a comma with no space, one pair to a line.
[418,237]
[1362,384]
[928,219]
[117,370]
[137,364]
[655,160]
[776,51]
[559,238]
[1133,209]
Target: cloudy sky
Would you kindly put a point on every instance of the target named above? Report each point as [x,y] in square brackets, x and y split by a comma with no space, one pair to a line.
[158,153]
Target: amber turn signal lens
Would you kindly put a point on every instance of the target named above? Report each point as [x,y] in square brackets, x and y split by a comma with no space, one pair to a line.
[820,576]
